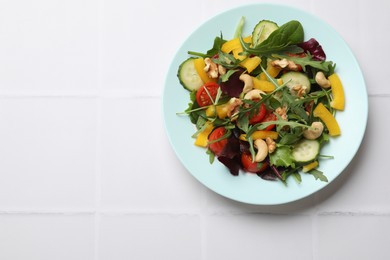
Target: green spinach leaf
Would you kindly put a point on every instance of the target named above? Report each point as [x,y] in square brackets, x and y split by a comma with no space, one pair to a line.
[282,40]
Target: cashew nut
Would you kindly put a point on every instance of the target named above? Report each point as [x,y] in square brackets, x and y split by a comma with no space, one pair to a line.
[322,80]
[314,131]
[253,94]
[248,82]
[262,150]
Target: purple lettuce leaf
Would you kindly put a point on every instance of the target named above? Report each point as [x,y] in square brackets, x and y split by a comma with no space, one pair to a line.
[233,164]
[314,48]
[233,86]
[231,156]
[268,175]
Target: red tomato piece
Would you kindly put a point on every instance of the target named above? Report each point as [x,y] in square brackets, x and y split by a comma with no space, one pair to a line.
[217,147]
[269,117]
[259,116]
[203,98]
[253,167]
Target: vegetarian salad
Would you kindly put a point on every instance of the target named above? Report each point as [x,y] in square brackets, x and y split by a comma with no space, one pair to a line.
[264,103]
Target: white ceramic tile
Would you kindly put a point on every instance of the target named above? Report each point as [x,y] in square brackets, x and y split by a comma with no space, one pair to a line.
[139,168]
[47,237]
[374,43]
[139,41]
[365,184]
[353,237]
[346,19]
[48,153]
[345,25]
[147,237]
[258,236]
[213,7]
[48,45]
[58,202]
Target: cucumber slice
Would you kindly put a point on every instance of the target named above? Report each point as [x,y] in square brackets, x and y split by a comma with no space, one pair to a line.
[294,78]
[188,76]
[306,150]
[262,30]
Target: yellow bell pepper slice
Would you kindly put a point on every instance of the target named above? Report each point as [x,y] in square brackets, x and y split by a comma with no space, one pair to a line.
[236,53]
[329,120]
[262,76]
[220,111]
[248,39]
[251,63]
[338,101]
[199,67]
[235,43]
[261,134]
[263,85]
[229,46]
[310,166]
[273,71]
[211,111]
[202,138]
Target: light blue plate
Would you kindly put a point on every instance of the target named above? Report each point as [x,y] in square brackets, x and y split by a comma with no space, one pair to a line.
[249,188]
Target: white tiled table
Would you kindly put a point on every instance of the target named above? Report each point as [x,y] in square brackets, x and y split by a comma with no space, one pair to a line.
[80,111]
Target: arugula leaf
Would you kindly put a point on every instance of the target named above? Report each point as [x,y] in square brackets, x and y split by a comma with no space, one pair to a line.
[281,123]
[282,157]
[290,138]
[193,105]
[218,42]
[243,123]
[226,76]
[297,177]
[200,125]
[307,60]
[298,113]
[291,172]
[227,60]
[318,175]
[211,156]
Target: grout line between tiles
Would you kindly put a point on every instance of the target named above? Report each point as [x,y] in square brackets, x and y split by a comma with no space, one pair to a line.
[98,177]
[79,94]
[314,234]
[203,224]
[47,212]
[354,213]
[174,212]
[118,94]
[99,114]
